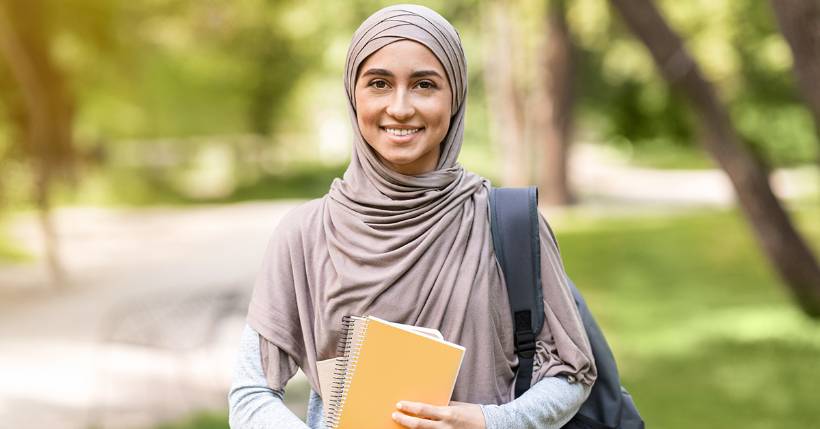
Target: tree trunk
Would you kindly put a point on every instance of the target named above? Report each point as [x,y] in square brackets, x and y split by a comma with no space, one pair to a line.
[505,106]
[781,243]
[553,123]
[45,121]
[799,21]
[49,231]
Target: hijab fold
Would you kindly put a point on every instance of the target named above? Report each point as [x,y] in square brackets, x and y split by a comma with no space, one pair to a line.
[410,249]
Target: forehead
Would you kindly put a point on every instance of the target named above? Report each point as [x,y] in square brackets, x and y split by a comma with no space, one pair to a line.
[402,56]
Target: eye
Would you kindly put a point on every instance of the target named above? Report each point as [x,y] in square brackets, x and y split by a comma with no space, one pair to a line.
[378,84]
[426,84]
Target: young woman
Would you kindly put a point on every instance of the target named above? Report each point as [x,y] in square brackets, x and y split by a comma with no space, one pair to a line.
[405,236]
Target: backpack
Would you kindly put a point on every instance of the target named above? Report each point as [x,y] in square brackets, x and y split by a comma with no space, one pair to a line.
[514,227]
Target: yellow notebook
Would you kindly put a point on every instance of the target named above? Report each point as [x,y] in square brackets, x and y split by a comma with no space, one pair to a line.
[383,363]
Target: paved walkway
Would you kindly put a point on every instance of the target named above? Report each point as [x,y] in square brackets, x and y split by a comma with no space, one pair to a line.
[147,326]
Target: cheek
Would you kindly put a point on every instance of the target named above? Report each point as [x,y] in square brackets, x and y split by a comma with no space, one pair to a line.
[367,120]
[440,117]
[361,120]
[364,110]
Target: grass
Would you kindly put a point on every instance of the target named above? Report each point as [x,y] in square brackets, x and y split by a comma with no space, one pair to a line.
[201,420]
[705,333]
[10,252]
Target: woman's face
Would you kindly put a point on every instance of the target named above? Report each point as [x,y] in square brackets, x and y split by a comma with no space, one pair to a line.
[403,106]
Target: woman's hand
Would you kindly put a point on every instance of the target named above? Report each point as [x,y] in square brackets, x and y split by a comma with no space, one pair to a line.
[459,415]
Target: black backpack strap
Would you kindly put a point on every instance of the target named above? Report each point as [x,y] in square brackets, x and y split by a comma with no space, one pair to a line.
[514,225]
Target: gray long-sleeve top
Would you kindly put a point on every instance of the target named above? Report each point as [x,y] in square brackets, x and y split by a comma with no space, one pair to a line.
[549,404]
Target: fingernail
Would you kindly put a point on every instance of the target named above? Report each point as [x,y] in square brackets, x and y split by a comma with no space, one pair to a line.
[395,416]
[399,405]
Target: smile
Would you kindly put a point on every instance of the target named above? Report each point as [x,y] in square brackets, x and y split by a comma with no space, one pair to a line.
[402,132]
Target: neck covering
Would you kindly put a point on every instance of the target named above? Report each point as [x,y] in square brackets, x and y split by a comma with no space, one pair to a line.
[409,249]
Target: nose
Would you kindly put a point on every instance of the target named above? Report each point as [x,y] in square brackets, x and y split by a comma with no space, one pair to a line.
[401,107]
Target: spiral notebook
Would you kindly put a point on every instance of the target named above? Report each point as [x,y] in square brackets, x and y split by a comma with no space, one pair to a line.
[382,363]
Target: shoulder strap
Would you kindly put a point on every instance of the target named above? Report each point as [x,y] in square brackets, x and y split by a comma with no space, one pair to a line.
[514,226]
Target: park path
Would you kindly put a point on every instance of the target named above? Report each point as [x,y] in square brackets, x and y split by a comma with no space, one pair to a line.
[147,327]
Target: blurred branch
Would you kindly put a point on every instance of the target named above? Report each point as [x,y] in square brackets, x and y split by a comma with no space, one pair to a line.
[45,121]
[555,103]
[781,242]
[505,100]
[799,21]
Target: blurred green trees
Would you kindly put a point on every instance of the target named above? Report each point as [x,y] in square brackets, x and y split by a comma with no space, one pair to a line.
[738,45]
[181,101]
[785,248]
[136,73]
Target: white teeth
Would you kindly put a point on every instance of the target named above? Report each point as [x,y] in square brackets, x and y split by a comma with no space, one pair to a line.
[402,132]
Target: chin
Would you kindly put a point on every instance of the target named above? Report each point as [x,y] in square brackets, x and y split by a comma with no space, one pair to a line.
[400,162]
[397,156]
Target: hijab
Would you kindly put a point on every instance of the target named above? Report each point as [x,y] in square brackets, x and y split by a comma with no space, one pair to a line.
[409,249]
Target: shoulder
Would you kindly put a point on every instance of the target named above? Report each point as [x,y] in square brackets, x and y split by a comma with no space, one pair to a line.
[304,218]
[546,233]
[302,215]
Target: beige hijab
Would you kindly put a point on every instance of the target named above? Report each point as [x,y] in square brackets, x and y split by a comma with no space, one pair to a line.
[410,249]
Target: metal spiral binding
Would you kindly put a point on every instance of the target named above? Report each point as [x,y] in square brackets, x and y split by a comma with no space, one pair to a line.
[348,351]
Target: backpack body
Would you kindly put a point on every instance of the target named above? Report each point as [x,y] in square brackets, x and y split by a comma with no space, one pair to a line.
[516,241]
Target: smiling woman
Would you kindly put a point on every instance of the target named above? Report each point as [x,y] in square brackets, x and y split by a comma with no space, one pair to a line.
[403,106]
[405,236]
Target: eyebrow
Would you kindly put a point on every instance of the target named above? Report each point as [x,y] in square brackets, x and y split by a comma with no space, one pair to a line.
[388,73]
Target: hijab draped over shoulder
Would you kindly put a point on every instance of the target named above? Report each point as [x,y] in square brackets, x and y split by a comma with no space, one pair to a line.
[410,249]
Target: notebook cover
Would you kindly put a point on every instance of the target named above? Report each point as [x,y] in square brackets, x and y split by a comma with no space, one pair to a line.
[327,368]
[393,365]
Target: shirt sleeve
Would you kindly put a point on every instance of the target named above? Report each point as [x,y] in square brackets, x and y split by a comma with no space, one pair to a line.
[252,403]
[549,404]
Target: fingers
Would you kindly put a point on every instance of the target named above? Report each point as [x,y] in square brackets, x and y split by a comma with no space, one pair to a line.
[425,411]
[411,422]
[416,415]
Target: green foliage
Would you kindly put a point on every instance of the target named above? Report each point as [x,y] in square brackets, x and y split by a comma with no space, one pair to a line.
[741,52]
[664,154]
[777,133]
[142,187]
[203,420]
[174,69]
[702,328]
[207,88]
[310,181]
